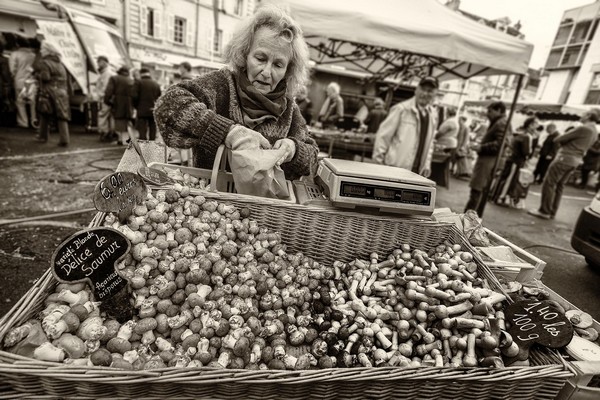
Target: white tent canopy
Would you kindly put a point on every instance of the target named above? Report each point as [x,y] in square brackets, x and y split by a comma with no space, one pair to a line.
[379,35]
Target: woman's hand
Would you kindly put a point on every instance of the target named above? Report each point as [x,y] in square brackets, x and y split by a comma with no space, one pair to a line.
[241,138]
[290,150]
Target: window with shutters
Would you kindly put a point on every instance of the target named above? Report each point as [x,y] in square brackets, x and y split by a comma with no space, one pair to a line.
[179,30]
[593,96]
[150,17]
[239,8]
[218,42]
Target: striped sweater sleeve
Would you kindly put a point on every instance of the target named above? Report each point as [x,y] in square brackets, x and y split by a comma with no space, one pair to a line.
[185,115]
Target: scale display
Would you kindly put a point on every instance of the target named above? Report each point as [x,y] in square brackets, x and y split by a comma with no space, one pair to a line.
[397,195]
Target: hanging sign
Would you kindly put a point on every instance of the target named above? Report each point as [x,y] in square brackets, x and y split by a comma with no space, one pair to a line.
[61,35]
[91,256]
[119,193]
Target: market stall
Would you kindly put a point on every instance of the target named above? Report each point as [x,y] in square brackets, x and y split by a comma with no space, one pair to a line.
[326,301]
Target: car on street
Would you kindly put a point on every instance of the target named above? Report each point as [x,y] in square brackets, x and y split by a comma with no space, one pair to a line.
[586,235]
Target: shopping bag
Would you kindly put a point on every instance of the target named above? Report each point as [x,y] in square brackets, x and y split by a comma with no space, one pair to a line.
[255,172]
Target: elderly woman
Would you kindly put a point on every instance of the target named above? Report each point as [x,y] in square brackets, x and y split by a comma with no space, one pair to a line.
[53,95]
[249,104]
[332,109]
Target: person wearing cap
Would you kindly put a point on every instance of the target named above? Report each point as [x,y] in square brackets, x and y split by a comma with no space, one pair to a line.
[185,71]
[573,146]
[118,97]
[144,94]
[405,138]
[106,124]
[487,151]
[53,94]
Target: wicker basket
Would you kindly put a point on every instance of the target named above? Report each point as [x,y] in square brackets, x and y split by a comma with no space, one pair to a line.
[327,235]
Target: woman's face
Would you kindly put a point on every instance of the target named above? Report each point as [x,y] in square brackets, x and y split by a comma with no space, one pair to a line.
[267,60]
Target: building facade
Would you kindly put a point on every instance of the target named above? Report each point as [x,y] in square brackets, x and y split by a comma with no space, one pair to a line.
[572,70]
[161,34]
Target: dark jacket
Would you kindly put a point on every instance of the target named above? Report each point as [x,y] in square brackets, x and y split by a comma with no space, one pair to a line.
[199,113]
[144,94]
[6,85]
[53,94]
[374,119]
[305,106]
[549,148]
[492,140]
[118,95]
[591,160]
[522,147]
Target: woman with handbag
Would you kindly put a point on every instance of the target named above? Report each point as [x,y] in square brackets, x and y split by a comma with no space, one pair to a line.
[53,95]
[514,181]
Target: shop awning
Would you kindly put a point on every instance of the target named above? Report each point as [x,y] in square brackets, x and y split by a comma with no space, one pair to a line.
[152,57]
[546,111]
[386,38]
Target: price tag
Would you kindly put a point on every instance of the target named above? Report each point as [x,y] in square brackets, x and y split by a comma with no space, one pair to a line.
[538,322]
[119,193]
[155,176]
[91,256]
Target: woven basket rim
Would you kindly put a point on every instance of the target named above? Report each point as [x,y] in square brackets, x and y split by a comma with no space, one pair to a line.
[10,364]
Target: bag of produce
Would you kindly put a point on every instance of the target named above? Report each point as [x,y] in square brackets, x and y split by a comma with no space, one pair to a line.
[473,228]
[255,172]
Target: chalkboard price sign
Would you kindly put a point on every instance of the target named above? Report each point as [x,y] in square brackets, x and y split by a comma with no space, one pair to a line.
[155,176]
[119,193]
[91,255]
[538,322]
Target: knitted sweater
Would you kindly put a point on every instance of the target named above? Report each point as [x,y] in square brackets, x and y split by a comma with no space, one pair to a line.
[199,113]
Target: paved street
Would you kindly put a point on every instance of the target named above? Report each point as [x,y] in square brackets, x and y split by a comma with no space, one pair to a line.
[43,179]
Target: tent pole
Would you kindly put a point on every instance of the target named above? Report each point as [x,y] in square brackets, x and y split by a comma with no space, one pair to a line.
[486,191]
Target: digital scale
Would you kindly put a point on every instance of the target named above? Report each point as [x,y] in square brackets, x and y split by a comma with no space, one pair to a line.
[351,184]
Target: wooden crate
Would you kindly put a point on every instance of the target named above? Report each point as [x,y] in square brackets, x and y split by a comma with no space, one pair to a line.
[530,267]
[586,372]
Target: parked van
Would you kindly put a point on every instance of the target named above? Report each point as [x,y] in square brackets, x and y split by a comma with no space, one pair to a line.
[586,235]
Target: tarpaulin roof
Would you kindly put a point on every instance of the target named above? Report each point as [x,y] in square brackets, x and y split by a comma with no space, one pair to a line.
[382,36]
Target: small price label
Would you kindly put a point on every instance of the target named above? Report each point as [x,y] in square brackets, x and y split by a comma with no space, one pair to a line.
[538,322]
[91,255]
[119,193]
[155,176]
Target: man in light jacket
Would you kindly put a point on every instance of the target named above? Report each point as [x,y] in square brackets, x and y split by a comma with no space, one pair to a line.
[405,137]
[106,124]
[21,66]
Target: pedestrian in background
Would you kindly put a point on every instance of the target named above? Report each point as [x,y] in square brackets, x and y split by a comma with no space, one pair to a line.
[6,87]
[185,71]
[118,97]
[144,94]
[376,115]
[460,163]
[547,153]
[304,104]
[405,137]
[446,137]
[510,190]
[487,151]
[53,95]
[21,67]
[573,146]
[332,110]
[106,123]
[591,162]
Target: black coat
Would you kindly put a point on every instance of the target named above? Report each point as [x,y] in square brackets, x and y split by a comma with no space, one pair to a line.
[144,94]
[118,96]
[53,94]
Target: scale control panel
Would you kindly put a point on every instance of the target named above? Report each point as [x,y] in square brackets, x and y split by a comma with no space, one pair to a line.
[390,194]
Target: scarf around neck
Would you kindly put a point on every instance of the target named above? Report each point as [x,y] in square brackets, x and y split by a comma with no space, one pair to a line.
[257,105]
